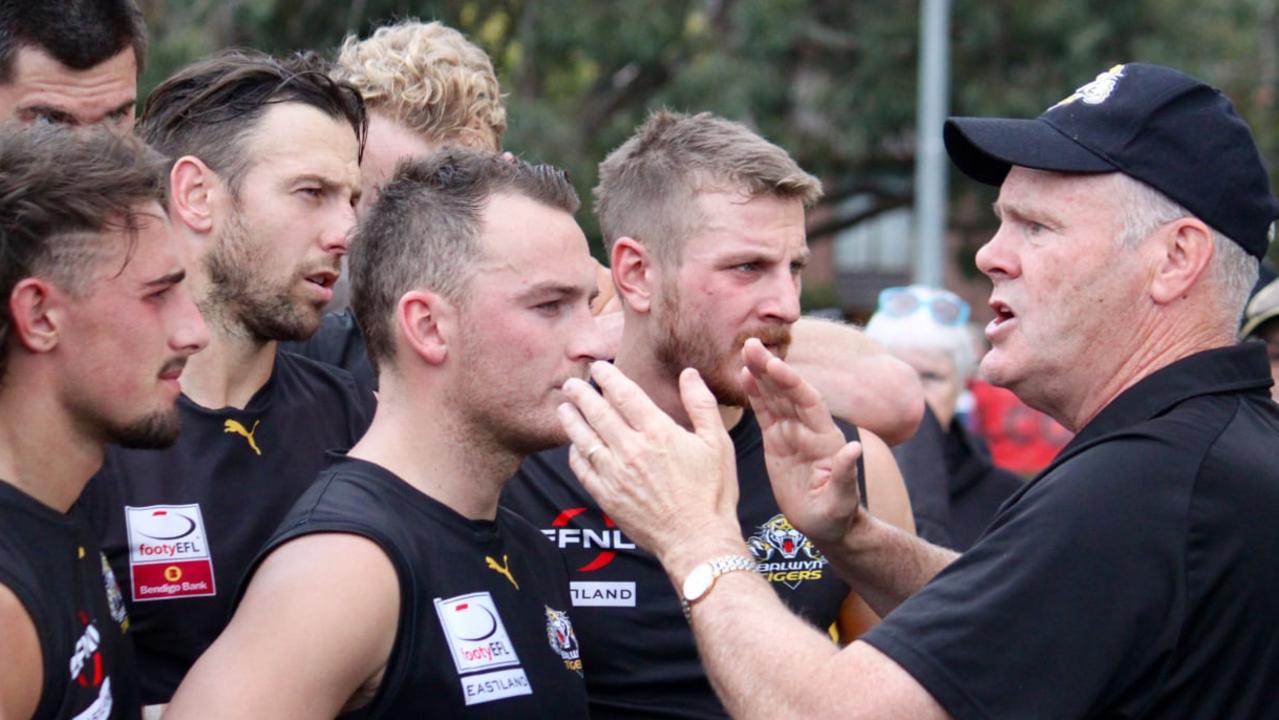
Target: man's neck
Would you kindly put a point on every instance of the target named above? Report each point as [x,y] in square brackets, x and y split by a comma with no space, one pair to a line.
[1156,345]
[43,452]
[635,359]
[230,371]
[430,449]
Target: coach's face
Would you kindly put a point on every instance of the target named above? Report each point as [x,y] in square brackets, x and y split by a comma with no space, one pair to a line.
[129,333]
[282,237]
[526,324]
[43,88]
[738,277]
[1065,295]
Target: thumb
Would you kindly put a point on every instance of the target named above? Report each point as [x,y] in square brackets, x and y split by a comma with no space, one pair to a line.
[701,406]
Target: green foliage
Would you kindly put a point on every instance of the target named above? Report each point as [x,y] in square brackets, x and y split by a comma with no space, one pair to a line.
[834,81]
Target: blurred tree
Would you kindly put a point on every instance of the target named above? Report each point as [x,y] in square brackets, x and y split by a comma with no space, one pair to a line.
[831,80]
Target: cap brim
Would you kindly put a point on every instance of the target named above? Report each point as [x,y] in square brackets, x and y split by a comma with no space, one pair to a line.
[986,148]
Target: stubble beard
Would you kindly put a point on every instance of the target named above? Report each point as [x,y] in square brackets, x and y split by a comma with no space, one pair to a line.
[242,300]
[151,432]
[685,341]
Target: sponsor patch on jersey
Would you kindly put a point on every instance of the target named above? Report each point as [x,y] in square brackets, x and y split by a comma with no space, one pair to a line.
[602,594]
[605,541]
[785,555]
[559,633]
[168,552]
[475,633]
[487,687]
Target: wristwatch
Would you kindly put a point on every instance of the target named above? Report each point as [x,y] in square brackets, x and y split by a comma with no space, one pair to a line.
[702,578]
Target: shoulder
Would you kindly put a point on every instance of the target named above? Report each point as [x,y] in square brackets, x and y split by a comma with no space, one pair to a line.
[314,379]
[20,655]
[886,491]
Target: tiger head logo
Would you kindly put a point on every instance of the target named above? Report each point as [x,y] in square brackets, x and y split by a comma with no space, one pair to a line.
[562,639]
[779,536]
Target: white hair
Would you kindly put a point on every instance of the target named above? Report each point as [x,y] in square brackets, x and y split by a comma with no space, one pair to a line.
[1232,272]
[919,331]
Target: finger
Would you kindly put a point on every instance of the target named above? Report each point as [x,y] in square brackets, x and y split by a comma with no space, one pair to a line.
[633,406]
[843,472]
[594,483]
[787,394]
[598,413]
[702,408]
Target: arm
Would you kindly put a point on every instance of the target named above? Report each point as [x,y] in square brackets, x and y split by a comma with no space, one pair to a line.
[675,493]
[21,658]
[860,382]
[314,629]
[814,479]
[886,492]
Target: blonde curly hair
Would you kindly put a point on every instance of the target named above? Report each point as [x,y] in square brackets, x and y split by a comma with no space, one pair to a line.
[429,78]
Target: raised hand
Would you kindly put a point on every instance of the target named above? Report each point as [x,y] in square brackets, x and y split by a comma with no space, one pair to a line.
[671,490]
[812,470]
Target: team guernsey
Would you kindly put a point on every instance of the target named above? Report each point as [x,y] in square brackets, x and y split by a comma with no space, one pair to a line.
[484,628]
[51,563]
[639,652]
[180,526]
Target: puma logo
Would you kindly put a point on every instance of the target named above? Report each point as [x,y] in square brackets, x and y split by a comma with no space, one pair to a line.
[503,569]
[234,426]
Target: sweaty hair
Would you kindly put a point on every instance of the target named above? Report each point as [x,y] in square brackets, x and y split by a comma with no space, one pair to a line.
[430,79]
[424,231]
[60,190]
[647,187]
[209,108]
[77,33]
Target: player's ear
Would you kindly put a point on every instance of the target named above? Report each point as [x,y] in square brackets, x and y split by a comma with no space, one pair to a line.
[36,310]
[635,273]
[192,186]
[426,323]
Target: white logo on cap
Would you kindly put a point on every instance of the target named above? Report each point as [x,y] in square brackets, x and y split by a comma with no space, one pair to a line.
[1096,92]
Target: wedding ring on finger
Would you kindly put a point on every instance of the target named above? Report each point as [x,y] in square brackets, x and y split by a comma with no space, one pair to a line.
[593,449]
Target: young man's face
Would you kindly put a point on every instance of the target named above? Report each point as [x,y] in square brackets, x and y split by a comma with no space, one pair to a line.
[127,336]
[526,324]
[43,88]
[738,277]
[281,240]
[388,143]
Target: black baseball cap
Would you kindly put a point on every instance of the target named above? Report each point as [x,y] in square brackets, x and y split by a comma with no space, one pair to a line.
[1160,126]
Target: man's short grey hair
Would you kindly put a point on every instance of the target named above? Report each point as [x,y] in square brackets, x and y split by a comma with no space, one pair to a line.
[1232,271]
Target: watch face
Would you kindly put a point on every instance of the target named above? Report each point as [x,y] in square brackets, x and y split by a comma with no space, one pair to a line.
[698,582]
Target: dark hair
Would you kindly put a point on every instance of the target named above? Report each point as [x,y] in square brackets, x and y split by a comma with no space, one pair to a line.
[60,190]
[77,33]
[424,231]
[209,107]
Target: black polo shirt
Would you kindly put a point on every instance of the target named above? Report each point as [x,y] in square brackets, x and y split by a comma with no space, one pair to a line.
[1136,576]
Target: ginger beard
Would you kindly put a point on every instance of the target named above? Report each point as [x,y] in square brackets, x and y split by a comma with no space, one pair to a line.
[686,340]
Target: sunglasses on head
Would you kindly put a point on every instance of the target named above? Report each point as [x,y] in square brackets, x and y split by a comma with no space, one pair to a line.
[946,308]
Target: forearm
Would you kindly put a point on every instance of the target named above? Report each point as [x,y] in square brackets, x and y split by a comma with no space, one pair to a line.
[741,623]
[859,381]
[884,564]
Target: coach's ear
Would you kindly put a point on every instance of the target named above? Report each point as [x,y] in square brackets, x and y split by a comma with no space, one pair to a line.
[191,188]
[635,274]
[1182,250]
[426,323]
[35,307]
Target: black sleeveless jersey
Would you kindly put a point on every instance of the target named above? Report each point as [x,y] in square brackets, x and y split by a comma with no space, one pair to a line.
[51,562]
[339,342]
[181,525]
[484,628]
[641,659]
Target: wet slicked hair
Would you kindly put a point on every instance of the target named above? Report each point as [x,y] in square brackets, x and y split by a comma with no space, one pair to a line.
[647,186]
[209,108]
[77,33]
[430,79]
[424,232]
[60,190]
